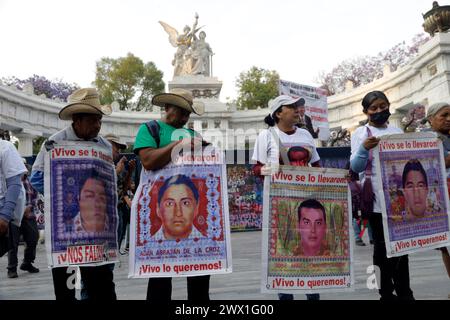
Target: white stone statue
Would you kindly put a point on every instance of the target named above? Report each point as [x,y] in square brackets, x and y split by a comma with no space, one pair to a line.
[202,54]
[193,54]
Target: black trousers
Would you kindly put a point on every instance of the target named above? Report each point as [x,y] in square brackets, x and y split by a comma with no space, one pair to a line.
[98,282]
[394,272]
[160,289]
[28,228]
[124,220]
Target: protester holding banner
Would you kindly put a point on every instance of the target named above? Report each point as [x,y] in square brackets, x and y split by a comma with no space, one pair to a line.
[394,271]
[154,144]
[305,121]
[313,110]
[438,115]
[274,146]
[85,111]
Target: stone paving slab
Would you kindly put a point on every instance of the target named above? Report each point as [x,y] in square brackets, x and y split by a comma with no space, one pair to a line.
[429,279]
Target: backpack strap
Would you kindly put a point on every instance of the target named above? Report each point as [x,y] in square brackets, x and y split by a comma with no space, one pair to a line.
[153,129]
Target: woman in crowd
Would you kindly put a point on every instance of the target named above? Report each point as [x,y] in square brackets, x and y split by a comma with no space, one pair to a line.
[284,143]
[438,115]
[394,271]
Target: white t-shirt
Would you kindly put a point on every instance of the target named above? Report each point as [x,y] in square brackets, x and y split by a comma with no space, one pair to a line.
[266,149]
[11,164]
[357,139]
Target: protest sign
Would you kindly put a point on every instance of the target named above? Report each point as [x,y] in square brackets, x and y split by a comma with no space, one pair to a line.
[80,205]
[39,211]
[413,192]
[306,246]
[179,220]
[315,104]
[245,197]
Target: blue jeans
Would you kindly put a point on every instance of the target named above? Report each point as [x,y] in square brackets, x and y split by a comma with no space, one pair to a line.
[288,296]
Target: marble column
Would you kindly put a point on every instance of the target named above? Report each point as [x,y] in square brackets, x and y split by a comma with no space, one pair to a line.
[25,144]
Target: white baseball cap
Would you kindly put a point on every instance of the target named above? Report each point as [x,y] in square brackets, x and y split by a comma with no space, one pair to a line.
[284,100]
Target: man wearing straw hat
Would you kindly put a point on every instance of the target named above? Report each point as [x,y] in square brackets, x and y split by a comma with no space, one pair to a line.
[154,148]
[86,112]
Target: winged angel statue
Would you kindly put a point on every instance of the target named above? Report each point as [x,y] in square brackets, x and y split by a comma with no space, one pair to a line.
[192,55]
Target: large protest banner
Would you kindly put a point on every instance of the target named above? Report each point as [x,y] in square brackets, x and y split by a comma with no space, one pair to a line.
[244,197]
[315,104]
[179,220]
[413,192]
[306,246]
[80,205]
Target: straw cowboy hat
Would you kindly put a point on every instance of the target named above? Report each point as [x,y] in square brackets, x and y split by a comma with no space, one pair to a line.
[113,138]
[84,100]
[180,98]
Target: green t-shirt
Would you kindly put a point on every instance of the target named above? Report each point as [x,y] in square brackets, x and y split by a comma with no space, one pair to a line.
[167,135]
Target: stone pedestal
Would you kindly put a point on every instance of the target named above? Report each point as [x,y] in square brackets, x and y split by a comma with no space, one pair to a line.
[199,85]
[25,144]
[212,125]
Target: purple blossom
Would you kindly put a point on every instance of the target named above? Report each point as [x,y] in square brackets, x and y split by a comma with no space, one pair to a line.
[56,89]
[363,70]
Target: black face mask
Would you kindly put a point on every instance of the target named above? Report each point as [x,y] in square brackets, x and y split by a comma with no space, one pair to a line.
[380,118]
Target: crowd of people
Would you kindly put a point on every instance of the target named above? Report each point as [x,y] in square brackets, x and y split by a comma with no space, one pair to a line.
[289,140]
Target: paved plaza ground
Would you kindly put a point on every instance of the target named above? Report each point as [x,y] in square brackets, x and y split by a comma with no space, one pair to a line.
[429,279]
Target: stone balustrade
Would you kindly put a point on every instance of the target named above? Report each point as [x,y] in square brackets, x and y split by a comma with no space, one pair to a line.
[425,80]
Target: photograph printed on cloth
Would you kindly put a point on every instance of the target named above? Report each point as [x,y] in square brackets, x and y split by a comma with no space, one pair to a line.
[180,222]
[413,192]
[82,220]
[306,236]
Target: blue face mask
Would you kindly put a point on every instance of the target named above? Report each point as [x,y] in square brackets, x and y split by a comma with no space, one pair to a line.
[380,118]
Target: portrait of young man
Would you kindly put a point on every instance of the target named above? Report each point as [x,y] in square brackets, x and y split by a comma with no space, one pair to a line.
[415,188]
[312,227]
[178,200]
[93,216]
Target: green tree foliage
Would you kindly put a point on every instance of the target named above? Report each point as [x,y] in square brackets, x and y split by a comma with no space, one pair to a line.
[129,81]
[37,143]
[256,87]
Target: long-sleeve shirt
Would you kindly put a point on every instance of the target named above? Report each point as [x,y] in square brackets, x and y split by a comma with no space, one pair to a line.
[360,155]
[11,170]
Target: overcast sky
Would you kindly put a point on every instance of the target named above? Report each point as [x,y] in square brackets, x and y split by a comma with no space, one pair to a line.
[298,38]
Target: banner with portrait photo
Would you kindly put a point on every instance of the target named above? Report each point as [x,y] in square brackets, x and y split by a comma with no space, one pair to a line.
[179,221]
[316,105]
[306,246]
[80,205]
[244,197]
[413,192]
[39,211]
